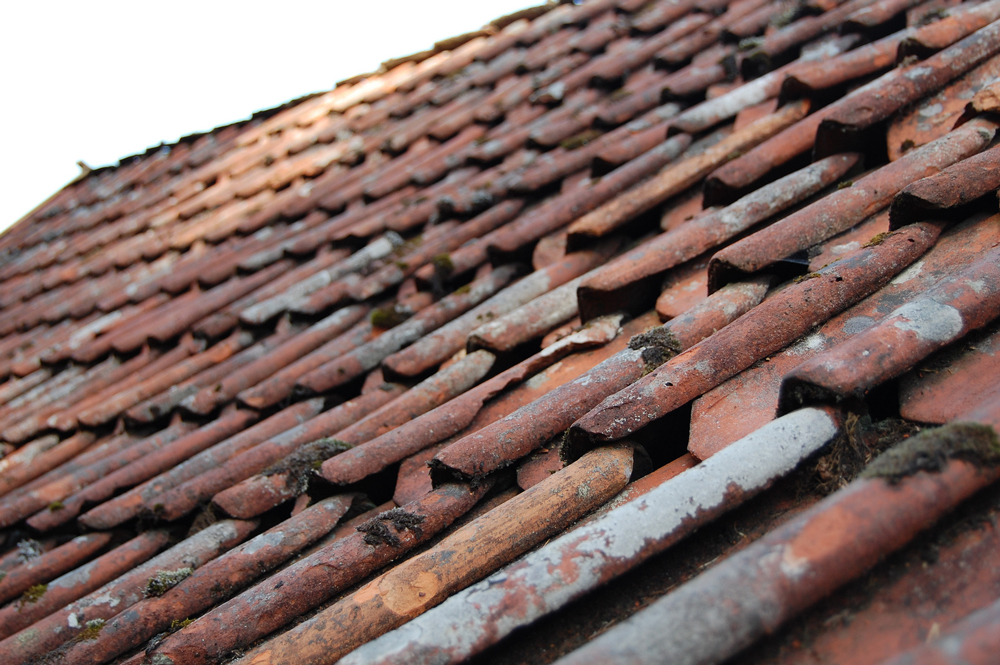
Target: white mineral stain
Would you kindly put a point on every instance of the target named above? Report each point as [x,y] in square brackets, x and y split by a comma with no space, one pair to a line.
[909,273]
[930,320]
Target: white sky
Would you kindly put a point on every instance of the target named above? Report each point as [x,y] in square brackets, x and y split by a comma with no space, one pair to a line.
[100,80]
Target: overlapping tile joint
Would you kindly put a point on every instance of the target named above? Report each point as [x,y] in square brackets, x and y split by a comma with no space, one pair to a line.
[586,326]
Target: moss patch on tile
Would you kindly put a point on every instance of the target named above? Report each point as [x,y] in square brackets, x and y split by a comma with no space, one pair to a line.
[92,630]
[931,450]
[377,531]
[34,593]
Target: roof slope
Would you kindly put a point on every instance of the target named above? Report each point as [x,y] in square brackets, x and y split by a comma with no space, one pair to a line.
[587,325]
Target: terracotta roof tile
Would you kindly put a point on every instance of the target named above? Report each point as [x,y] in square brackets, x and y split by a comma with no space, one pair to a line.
[940,398]
[847,206]
[625,278]
[824,558]
[755,336]
[665,222]
[311,580]
[604,548]
[750,399]
[84,579]
[125,590]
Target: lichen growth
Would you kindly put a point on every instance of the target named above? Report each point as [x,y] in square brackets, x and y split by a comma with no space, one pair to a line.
[164,581]
[28,549]
[931,450]
[377,531]
[92,630]
[786,17]
[34,593]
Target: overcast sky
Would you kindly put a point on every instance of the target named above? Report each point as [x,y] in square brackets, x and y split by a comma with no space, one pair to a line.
[97,81]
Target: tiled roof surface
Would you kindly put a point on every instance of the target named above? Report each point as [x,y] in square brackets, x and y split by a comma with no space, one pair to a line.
[586,327]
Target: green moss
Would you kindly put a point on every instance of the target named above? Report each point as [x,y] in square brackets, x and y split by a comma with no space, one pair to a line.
[402,265]
[935,15]
[410,245]
[92,630]
[580,140]
[750,43]
[180,624]
[876,240]
[907,145]
[806,277]
[619,94]
[845,184]
[388,317]
[462,290]
[56,505]
[443,264]
[34,594]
